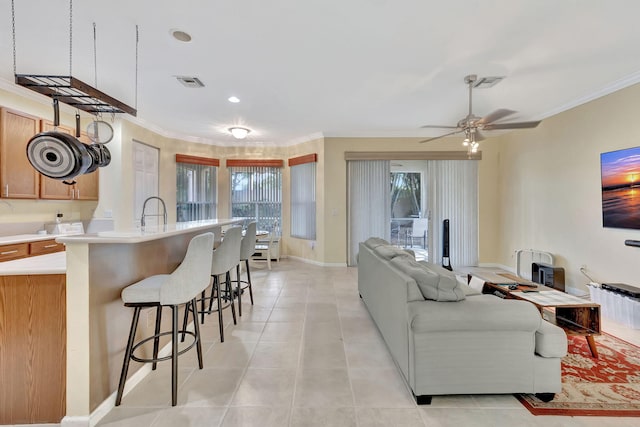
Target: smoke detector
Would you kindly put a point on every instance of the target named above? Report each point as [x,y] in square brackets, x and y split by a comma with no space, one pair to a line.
[192,82]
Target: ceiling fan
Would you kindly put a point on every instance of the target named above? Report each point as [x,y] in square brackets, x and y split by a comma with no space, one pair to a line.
[471,125]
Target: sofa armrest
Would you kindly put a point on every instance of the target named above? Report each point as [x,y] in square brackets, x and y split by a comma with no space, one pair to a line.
[476,313]
[551,340]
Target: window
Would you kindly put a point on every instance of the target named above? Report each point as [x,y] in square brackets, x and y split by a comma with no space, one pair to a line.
[256,194]
[195,188]
[303,197]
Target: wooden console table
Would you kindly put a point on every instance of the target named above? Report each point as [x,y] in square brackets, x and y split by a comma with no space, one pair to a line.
[572,314]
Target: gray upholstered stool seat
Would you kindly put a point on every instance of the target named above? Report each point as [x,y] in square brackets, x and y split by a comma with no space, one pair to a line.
[182,286]
[247,248]
[225,258]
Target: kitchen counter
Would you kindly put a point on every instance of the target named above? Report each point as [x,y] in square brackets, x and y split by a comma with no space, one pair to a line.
[42,264]
[148,233]
[24,238]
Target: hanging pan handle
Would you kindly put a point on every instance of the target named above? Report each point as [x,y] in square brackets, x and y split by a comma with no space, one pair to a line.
[77,125]
[56,113]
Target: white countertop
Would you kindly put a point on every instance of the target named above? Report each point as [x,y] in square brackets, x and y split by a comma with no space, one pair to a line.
[138,235]
[55,263]
[23,238]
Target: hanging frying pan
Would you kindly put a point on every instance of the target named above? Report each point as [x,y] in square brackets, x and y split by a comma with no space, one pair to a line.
[60,156]
[100,132]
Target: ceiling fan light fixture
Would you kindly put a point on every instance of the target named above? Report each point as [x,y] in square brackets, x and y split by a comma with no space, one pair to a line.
[239,132]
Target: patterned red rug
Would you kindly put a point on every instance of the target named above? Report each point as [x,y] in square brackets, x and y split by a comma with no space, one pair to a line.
[608,386]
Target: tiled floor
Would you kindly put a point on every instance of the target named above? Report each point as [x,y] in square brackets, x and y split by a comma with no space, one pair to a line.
[307,354]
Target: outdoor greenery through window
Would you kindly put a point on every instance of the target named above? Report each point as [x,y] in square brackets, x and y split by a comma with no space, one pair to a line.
[195,192]
[405,194]
[303,201]
[256,194]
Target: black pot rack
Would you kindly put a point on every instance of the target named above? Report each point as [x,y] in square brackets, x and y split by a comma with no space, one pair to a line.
[74,92]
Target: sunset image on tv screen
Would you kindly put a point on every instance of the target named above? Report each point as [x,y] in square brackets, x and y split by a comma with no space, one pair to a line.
[621,188]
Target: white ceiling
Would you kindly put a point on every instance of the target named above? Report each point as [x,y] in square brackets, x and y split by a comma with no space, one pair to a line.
[334,67]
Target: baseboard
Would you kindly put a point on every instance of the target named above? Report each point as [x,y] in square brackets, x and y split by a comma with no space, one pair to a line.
[68,421]
[496,265]
[318,263]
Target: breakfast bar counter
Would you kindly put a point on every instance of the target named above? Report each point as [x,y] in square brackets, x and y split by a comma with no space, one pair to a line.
[99,266]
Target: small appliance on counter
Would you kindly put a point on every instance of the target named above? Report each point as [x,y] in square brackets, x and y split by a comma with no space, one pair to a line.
[64,228]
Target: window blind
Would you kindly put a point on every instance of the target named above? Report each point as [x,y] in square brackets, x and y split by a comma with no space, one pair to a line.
[303,201]
[256,194]
[195,190]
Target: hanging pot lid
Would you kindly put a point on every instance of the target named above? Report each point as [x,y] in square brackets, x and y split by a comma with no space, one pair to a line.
[99,132]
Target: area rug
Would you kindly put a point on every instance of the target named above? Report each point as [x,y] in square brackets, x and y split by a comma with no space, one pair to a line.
[608,386]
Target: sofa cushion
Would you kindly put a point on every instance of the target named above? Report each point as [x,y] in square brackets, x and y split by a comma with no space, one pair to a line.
[434,285]
[373,242]
[551,341]
[389,252]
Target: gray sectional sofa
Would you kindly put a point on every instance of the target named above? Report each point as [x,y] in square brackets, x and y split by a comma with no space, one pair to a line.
[448,339]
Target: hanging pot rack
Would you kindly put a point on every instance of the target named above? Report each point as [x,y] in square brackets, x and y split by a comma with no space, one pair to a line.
[68,89]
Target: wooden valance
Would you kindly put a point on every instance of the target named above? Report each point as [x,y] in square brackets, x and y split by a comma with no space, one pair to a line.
[309,158]
[195,160]
[272,163]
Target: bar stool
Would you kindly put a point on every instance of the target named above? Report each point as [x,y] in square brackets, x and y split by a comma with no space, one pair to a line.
[225,258]
[247,248]
[182,286]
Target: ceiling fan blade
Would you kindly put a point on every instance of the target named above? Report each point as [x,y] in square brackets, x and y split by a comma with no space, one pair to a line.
[515,125]
[495,115]
[441,136]
[438,127]
[479,136]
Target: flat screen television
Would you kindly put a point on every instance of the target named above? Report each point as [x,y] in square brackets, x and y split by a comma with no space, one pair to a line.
[620,176]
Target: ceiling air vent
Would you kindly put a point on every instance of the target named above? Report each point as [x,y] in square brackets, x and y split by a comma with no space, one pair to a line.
[487,82]
[190,81]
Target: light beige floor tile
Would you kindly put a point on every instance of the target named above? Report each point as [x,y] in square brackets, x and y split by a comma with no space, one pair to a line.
[368,354]
[382,388]
[210,387]
[387,417]
[497,401]
[189,416]
[329,355]
[322,312]
[323,388]
[287,315]
[253,313]
[321,332]
[246,416]
[247,331]
[322,417]
[454,401]
[266,387]
[275,355]
[446,417]
[265,301]
[121,416]
[295,302]
[360,329]
[282,332]
[229,354]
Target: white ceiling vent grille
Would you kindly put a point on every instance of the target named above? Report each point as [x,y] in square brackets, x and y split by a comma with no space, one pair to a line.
[487,82]
[192,82]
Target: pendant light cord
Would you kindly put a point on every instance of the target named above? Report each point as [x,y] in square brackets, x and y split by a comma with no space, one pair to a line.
[136,85]
[95,58]
[13,33]
[70,37]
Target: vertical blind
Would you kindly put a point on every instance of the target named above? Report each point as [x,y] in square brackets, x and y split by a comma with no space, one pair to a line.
[369,203]
[196,192]
[303,201]
[256,193]
[453,195]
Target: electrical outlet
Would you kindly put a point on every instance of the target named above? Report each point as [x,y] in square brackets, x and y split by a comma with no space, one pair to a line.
[312,244]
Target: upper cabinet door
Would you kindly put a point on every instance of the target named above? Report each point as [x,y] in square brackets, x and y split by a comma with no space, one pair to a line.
[18,179]
[87,185]
[53,188]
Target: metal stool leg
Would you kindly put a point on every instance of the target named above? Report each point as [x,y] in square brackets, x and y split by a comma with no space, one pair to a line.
[174,355]
[239,290]
[196,327]
[249,281]
[185,319]
[127,354]
[229,292]
[156,340]
[216,284]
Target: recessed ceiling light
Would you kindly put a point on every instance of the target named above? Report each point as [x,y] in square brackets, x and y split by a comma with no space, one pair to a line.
[239,132]
[234,99]
[181,36]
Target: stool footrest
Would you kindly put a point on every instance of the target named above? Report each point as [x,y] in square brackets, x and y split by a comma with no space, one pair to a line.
[162,359]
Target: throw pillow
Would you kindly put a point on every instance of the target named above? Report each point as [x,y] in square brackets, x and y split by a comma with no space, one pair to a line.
[434,284]
[390,252]
[373,242]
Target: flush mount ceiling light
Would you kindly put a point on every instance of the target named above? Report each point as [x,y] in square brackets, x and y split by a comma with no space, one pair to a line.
[239,132]
[233,99]
[180,35]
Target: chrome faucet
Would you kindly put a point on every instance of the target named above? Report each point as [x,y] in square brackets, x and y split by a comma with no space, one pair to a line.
[164,209]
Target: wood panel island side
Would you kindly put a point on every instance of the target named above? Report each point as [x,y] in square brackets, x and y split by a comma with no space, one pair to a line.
[98,268]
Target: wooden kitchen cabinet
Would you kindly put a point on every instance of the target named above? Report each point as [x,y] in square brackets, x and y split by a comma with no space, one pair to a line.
[18,179]
[86,186]
[42,247]
[15,251]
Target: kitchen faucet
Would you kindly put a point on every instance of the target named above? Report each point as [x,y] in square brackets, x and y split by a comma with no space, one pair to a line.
[164,209]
